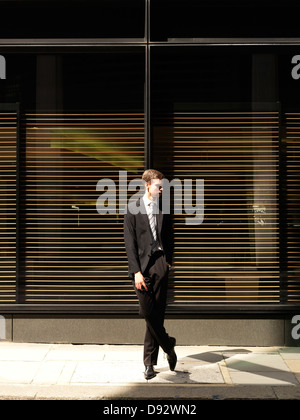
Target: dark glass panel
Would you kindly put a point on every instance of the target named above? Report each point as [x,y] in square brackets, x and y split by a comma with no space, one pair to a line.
[72,19]
[192,19]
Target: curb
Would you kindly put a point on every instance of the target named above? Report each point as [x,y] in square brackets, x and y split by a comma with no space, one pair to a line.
[147,392]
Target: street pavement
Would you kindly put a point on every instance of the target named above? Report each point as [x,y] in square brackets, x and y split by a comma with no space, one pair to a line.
[30,371]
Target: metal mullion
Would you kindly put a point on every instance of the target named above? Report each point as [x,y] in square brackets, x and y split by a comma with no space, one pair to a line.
[147,149]
[18,203]
[148,145]
[227,42]
[282,210]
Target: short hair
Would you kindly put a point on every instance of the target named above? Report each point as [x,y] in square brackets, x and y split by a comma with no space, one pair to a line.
[152,174]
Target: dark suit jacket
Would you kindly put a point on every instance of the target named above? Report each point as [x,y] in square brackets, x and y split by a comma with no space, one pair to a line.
[138,237]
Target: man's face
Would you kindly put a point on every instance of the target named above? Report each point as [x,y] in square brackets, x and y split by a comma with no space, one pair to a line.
[155,187]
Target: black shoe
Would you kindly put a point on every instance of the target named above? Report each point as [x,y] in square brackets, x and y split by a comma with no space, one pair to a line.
[171,356]
[173,342]
[149,372]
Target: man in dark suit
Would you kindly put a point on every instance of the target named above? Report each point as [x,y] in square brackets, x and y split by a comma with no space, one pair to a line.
[148,241]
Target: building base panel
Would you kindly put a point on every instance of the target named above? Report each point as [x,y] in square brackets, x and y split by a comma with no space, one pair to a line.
[130,330]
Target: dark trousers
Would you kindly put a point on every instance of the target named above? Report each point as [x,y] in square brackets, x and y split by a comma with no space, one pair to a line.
[152,305]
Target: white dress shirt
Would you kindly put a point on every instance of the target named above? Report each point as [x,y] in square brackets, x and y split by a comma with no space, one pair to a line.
[147,202]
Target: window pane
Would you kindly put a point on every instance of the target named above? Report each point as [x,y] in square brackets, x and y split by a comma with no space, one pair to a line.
[72,254]
[72,19]
[82,121]
[211,121]
[194,19]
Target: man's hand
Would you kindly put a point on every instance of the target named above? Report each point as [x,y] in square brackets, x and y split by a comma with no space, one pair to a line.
[139,281]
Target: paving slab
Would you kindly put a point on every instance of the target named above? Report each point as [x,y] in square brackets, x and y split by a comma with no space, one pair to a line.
[293,365]
[290,353]
[49,372]
[267,368]
[71,352]
[108,372]
[18,372]
[124,353]
[263,378]
[187,372]
[23,351]
[67,373]
[253,362]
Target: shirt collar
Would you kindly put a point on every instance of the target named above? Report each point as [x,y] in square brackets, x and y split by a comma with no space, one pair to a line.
[147,201]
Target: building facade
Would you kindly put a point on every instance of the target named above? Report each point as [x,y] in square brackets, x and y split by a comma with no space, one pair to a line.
[94,92]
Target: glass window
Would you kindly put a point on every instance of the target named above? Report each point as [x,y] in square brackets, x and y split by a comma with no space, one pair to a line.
[82,121]
[73,19]
[220,115]
[192,20]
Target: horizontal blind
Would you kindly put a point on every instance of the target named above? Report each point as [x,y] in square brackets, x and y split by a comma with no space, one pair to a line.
[233,255]
[72,254]
[292,124]
[8,182]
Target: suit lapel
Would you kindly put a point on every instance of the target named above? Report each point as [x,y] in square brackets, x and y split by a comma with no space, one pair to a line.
[159,220]
[144,216]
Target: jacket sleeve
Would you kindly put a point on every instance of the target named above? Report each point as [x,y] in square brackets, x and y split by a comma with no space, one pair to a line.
[131,243]
[168,238]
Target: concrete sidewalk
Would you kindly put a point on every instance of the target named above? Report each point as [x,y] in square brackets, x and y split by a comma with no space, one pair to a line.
[81,372]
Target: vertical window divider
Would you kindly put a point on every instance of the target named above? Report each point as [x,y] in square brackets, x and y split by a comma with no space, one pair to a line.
[148,157]
[282,208]
[18,202]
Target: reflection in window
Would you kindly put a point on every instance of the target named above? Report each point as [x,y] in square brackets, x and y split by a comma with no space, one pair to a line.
[70,252]
[195,21]
[212,122]
[233,255]
[81,19]
[82,120]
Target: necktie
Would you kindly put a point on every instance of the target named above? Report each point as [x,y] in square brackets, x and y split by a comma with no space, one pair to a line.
[152,221]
